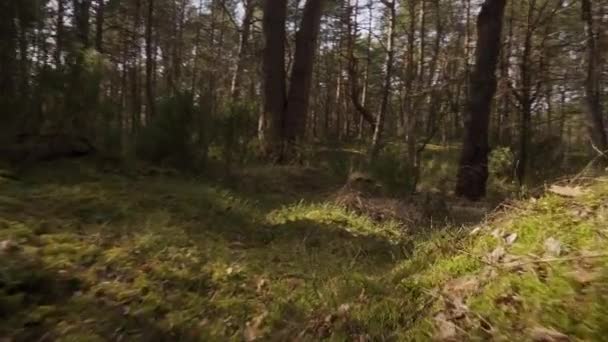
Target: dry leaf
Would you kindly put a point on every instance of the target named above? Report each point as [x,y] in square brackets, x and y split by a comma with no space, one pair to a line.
[553,247]
[497,233]
[583,276]
[9,247]
[541,334]
[446,330]
[510,239]
[261,285]
[475,231]
[461,287]
[252,330]
[343,310]
[496,255]
[566,191]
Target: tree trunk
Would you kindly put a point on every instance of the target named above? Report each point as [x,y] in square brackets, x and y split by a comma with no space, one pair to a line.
[296,111]
[150,56]
[593,82]
[473,169]
[59,32]
[235,88]
[386,93]
[275,12]
[99,21]
[8,46]
[81,21]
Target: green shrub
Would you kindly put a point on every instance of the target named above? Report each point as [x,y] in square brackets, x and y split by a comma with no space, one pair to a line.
[170,137]
[233,132]
[501,163]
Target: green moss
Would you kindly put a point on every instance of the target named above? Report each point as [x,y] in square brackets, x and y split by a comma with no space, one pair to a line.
[163,258]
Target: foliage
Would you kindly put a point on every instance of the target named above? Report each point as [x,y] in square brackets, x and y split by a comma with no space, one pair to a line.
[501,163]
[170,136]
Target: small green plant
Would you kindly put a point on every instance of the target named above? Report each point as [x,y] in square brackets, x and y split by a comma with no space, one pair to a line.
[501,162]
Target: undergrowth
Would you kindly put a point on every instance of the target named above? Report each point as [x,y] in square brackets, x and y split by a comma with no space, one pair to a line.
[89,256]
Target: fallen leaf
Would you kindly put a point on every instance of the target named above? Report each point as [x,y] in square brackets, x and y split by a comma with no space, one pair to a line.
[496,256]
[497,233]
[261,285]
[253,329]
[9,247]
[583,276]
[446,330]
[461,287]
[457,309]
[541,334]
[204,322]
[510,239]
[553,247]
[475,231]
[567,191]
[343,310]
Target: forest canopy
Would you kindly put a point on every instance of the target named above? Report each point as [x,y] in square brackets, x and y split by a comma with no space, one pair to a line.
[172,82]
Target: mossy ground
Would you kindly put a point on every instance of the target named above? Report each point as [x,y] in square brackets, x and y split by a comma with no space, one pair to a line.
[108,257]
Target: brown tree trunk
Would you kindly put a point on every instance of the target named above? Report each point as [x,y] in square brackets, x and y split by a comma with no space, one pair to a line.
[593,82]
[59,32]
[386,93]
[296,111]
[408,100]
[150,56]
[358,99]
[275,12]
[99,22]
[473,170]
[81,21]
[235,88]
[8,46]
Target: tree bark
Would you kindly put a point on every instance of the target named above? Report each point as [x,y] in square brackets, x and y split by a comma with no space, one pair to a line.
[237,78]
[59,32]
[593,82]
[150,56]
[358,99]
[473,169]
[386,93]
[8,46]
[275,12]
[81,21]
[296,112]
[99,22]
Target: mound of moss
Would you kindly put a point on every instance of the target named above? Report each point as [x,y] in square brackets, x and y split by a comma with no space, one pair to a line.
[538,271]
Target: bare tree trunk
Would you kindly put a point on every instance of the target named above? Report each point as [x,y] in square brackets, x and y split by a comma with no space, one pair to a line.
[59,32]
[593,83]
[99,22]
[386,94]
[301,75]
[408,101]
[8,90]
[473,170]
[525,98]
[81,20]
[150,56]
[358,99]
[237,77]
[275,12]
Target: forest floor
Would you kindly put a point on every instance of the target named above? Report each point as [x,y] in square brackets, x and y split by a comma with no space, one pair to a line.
[92,256]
